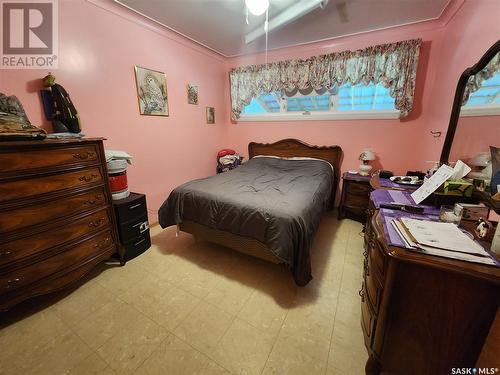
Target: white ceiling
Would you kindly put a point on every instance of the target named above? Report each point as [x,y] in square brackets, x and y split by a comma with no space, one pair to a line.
[220,24]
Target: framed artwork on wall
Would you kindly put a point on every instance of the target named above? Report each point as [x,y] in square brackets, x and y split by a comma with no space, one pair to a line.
[210,115]
[151,92]
[192,93]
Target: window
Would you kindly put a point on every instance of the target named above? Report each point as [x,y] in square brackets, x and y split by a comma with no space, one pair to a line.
[486,100]
[347,102]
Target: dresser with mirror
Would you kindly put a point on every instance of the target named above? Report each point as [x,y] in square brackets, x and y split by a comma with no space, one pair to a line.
[423,314]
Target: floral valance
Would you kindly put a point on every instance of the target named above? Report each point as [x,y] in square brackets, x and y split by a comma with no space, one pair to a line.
[476,81]
[393,65]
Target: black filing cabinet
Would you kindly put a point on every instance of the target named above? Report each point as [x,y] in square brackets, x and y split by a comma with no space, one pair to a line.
[133,226]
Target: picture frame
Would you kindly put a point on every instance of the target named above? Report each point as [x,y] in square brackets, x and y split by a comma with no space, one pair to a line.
[192,94]
[151,91]
[210,115]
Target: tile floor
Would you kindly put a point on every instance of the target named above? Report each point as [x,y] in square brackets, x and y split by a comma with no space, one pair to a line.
[187,307]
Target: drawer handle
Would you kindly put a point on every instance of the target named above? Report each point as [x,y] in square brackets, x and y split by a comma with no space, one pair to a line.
[88,178]
[362,294]
[135,206]
[94,200]
[6,252]
[96,223]
[10,283]
[103,243]
[141,241]
[84,155]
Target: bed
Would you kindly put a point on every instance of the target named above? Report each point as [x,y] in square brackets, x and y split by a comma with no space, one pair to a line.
[270,207]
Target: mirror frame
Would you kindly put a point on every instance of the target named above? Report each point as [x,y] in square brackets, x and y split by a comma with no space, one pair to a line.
[455,115]
[459,94]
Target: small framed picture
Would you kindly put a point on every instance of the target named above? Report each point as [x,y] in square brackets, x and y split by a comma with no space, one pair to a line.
[151,92]
[210,115]
[192,93]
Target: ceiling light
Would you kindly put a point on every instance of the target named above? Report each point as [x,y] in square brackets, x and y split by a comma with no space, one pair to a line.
[290,14]
[257,7]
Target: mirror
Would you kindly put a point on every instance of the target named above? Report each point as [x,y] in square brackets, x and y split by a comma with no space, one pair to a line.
[475,123]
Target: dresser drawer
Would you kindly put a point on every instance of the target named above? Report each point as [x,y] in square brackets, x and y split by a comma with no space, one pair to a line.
[39,242]
[137,245]
[133,229]
[131,208]
[70,256]
[43,212]
[46,184]
[47,157]
[359,201]
[367,321]
[373,288]
[377,258]
[358,188]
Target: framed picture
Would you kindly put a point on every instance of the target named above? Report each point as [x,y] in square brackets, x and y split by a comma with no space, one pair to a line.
[151,91]
[192,92]
[210,115]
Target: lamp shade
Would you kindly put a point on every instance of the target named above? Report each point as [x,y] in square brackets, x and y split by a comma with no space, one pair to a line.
[480,160]
[367,155]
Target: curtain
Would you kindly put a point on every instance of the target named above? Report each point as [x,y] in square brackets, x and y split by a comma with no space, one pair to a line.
[475,82]
[393,65]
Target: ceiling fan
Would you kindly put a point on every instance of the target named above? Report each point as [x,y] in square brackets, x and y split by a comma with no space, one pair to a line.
[293,12]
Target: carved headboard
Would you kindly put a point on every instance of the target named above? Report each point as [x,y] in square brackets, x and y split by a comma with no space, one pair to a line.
[294,147]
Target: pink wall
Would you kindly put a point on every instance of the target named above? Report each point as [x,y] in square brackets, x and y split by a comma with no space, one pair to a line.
[99,45]
[401,145]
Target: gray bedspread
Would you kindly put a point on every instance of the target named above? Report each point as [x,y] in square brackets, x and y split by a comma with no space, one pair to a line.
[278,202]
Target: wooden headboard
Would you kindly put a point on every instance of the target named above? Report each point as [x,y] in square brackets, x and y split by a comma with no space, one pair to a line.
[293,147]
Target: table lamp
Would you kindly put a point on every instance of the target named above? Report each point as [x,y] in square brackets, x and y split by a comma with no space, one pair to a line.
[481,166]
[366,156]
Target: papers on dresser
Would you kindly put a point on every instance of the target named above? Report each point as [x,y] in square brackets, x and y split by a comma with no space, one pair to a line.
[431,184]
[441,239]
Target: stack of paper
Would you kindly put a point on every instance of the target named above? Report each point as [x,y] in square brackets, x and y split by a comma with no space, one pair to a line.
[441,239]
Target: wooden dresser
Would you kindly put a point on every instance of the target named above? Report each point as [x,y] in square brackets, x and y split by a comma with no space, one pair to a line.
[56,219]
[423,314]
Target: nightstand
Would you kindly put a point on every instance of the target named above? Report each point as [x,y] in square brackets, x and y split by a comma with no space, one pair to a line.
[355,197]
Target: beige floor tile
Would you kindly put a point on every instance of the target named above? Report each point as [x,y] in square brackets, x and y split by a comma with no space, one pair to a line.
[287,358]
[20,337]
[168,309]
[78,305]
[335,371]
[263,312]
[103,324]
[57,356]
[347,358]
[229,295]
[132,344]
[120,279]
[308,330]
[243,349]
[204,326]
[173,356]
[91,365]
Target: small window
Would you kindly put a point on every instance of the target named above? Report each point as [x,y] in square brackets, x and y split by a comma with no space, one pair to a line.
[484,101]
[347,101]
